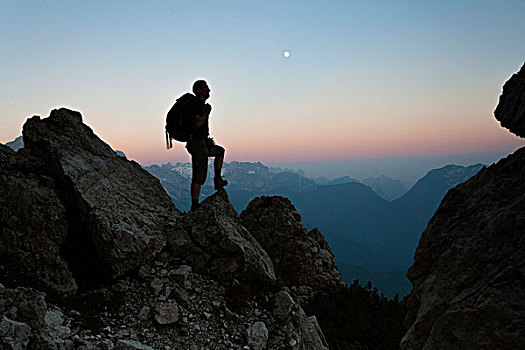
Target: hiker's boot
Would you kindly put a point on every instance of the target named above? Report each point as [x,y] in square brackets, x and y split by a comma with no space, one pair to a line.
[219,183]
[195,207]
[194,204]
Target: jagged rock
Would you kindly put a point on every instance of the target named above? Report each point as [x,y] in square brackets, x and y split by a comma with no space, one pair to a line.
[24,305]
[283,305]
[166,313]
[299,257]
[230,250]
[54,318]
[144,313]
[14,335]
[469,275]
[182,275]
[33,226]
[257,336]
[118,213]
[305,335]
[317,327]
[27,321]
[511,107]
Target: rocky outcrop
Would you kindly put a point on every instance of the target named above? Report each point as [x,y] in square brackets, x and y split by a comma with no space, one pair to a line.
[469,273]
[213,239]
[28,322]
[33,226]
[511,107]
[118,214]
[300,258]
[149,276]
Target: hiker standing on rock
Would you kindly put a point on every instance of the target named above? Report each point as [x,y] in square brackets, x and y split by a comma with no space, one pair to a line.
[201,146]
[187,121]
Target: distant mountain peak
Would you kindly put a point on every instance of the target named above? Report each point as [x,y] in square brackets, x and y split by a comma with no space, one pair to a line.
[16,144]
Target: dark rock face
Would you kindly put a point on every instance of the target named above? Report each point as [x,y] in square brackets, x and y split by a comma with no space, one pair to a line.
[300,258]
[511,107]
[217,241]
[33,226]
[118,213]
[468,274]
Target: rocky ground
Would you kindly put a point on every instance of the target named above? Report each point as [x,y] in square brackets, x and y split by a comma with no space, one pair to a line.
[164,305]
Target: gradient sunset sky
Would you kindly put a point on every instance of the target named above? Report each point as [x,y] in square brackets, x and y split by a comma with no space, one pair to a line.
[365,79]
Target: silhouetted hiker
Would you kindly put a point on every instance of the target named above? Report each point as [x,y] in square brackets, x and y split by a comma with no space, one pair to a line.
[201,146]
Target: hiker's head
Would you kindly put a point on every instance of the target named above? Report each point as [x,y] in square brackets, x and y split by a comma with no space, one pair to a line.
[201,89]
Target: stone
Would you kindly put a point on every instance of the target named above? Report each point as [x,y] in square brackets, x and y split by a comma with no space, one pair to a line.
[24,305]
[13,334]
[283,305]
[166,313]
[156,285]
[144,313]
[300,258]
[54,318]
[511,107]
[231,251]
[182,275]
[257,336]
[118,213]
[317,327]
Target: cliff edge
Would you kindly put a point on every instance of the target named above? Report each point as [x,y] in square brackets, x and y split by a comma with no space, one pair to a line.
[468,274]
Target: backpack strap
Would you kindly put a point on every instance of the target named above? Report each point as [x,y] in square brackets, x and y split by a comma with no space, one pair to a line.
[168,141]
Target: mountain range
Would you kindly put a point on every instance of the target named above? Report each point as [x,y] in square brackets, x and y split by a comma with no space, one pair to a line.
[373,238]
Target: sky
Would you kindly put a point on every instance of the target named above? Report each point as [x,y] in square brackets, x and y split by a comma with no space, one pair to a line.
[365,80]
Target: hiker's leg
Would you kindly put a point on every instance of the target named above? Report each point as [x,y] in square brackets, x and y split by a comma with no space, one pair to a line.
[199,171]
[199,165]
[195,193]
[217,165]
[217,152]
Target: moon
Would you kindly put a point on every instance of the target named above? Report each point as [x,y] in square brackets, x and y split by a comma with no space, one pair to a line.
[286,54]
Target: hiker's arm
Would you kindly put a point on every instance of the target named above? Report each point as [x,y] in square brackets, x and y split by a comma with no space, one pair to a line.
[199,120]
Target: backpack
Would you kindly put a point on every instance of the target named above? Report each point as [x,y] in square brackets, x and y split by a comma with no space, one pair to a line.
[179,124]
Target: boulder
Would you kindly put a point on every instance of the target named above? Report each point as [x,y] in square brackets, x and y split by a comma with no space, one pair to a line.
[305,334]
[511,107]
[257,336]
[33,226]
[13,334]
[469,275]
[215,234]
[300,258]
[166,313]
[118,213]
